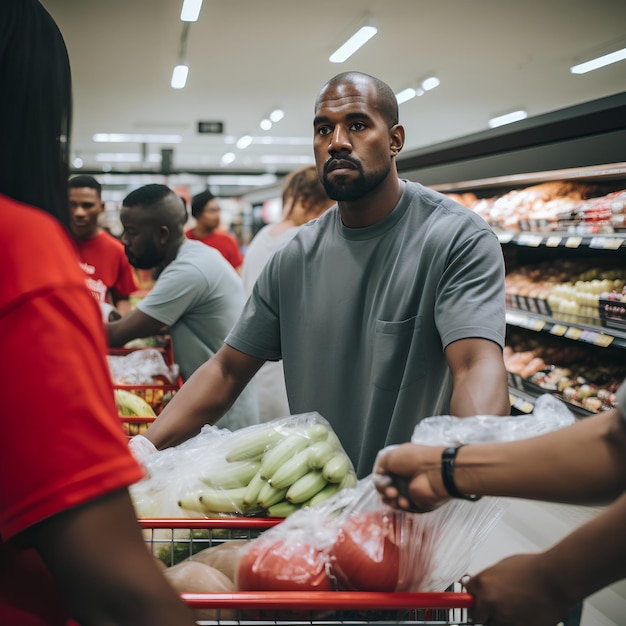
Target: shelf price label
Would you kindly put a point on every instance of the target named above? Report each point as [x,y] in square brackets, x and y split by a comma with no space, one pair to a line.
[553,242]
[573,242]
[558,329]
[606,243]
[527,239]
[535,324]
[574,333]
[602,340]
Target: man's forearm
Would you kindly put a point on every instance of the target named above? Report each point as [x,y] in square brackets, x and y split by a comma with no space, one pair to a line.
[578,464]
[591,557]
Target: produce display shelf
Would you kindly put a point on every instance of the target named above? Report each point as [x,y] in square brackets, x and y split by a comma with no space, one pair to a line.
[608,241]
[291,607]
[576,331]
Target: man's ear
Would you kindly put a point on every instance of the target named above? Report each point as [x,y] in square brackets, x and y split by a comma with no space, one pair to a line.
[396,137]
[164,234]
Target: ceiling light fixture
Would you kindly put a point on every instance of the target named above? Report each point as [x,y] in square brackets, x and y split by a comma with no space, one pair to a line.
[181,71]
[244,141]
[265,124]
[430,83]
[276,115]
[360,38]
[508,118]
[228,158]
[597,63]
[179,76]
[191,10]
[135,138]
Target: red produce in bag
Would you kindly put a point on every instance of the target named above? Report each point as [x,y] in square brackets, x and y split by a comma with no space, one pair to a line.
[366,555]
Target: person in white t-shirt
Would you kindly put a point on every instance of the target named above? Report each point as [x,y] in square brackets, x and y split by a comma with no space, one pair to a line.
[303,199]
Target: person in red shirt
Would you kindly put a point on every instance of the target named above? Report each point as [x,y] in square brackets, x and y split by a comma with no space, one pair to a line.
[110,276]
[71,550]
[206,210]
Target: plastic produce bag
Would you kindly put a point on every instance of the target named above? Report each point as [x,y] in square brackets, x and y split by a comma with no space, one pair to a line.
[141,367]
[353,541]
[270,469]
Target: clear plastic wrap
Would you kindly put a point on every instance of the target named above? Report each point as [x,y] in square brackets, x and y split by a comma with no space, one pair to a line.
[141,367]
[270,469]
[353,541]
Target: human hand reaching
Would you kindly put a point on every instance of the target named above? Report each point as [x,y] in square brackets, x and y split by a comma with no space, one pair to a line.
[517,591]
[408,477]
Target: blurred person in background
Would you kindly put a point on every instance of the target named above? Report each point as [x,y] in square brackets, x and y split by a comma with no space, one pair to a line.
[71,550]
[386,309]
[206,210]
[303,199]
[582,464]
[197,296]
[110,276]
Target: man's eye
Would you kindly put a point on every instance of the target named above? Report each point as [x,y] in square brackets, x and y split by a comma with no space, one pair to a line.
[323,130]
[358,126]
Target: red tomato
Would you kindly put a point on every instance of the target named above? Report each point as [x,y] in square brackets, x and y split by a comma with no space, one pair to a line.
[282,566]
[366,553]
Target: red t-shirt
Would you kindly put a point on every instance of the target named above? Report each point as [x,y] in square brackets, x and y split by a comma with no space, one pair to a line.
[61,442]
[107,268]
[224,242]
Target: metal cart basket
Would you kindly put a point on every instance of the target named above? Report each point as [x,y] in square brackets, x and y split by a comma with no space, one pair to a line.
[173,540]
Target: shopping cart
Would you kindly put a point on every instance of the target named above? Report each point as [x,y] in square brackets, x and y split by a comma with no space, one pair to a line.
[173,540]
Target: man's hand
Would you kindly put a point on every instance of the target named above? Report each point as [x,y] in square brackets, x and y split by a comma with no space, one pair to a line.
[517,591]
[142,448]
[408,477]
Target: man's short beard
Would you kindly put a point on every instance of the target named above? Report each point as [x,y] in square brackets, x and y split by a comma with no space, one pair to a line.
[354,189]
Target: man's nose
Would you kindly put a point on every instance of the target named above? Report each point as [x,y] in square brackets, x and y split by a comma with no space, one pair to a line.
[339,141]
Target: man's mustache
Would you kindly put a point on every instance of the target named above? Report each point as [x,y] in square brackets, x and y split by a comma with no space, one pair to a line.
[337,162]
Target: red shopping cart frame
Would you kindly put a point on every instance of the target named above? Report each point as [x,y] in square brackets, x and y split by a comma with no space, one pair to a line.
[432,606]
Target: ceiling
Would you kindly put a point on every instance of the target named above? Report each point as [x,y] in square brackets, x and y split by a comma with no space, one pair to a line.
[247,57]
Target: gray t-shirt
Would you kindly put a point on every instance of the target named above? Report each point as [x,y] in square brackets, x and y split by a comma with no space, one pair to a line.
[361,316]
[199,295]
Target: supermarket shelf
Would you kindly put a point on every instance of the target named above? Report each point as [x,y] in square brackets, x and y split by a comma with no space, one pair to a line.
[588,334]
[609,241]
[523,403]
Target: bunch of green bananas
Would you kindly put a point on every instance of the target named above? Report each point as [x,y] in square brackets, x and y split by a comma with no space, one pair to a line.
[275,472]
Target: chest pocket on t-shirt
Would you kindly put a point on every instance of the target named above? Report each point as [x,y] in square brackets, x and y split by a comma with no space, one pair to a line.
[397,359]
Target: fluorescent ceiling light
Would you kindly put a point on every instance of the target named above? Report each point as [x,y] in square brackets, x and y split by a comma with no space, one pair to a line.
[405,94]
[265,124]
[77,163]
[594,64]
[191,10]
[276,115]
[135,138]
[283,141]
[273,159]
[244,141]
[430,83]
[360,38]
[126,157]
[179,76]
[242,180]
[509,118]
[229,157]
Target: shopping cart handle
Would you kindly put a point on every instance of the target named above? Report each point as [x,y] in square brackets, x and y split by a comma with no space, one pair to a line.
[334,600]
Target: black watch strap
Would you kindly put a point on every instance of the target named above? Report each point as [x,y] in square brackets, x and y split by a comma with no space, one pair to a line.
[448,457]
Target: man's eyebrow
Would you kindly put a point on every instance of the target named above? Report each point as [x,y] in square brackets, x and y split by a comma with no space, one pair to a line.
[355,115]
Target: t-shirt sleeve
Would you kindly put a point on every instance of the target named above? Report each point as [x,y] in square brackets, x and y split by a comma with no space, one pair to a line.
[125,282]
[233,253]
[174,292]
[62,441]
[470,295]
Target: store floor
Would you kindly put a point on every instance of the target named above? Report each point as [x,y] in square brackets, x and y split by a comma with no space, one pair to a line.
[531,526]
